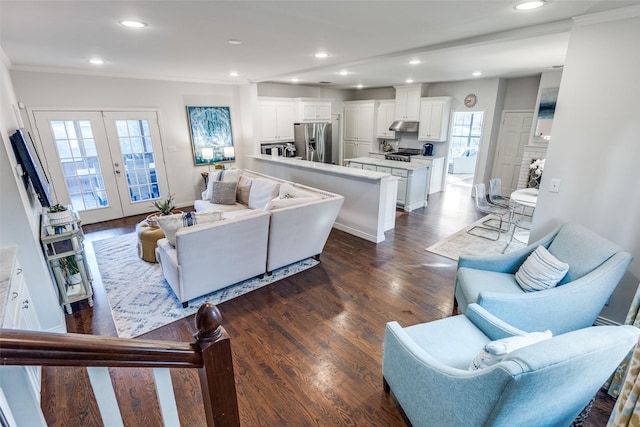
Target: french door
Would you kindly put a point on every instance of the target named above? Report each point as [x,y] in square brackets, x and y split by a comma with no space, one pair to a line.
[106,164]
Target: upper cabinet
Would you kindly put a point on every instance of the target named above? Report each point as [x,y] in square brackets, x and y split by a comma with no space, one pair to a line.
[312,110]
[434,118]
[408,102]
[276,120]
[386,116]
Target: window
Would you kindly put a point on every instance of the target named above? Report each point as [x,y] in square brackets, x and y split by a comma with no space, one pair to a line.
[465,133]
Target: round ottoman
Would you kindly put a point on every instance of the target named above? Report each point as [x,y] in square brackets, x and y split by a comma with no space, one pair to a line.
[148,237]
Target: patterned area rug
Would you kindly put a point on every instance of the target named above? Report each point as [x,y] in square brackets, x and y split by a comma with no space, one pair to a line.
[141,300]
[463,243]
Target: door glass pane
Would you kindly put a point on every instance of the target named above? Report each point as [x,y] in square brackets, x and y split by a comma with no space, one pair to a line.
[138,159]
[78,158]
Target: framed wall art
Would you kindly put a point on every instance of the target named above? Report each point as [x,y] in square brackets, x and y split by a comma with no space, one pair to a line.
[211,137]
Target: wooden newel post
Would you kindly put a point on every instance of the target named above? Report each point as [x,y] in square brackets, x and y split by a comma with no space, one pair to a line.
[216,375]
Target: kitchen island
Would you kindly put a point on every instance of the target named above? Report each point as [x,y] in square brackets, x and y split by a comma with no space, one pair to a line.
[416,179]
[369,196]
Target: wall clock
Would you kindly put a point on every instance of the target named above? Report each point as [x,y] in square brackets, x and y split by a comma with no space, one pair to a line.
[470,100]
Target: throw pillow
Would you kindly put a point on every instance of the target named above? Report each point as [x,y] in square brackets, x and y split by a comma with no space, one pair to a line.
[223,193]
[288,191]
[494,351]
[244,187]
[278,203]
[170,224]
[226,175]
[261,193]
[540,271]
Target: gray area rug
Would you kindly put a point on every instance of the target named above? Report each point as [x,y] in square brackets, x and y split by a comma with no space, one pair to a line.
[141,300]
[463,243]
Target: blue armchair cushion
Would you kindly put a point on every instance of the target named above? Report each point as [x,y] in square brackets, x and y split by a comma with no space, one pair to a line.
[540,271]
[493,352]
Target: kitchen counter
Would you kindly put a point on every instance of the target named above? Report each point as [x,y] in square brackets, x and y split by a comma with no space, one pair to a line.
[369,206]
[417,162]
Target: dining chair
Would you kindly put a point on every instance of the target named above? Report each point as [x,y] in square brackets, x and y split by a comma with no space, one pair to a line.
[495,213]
[495,193]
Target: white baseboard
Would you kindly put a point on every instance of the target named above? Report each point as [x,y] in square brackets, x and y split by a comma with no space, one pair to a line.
[358,233]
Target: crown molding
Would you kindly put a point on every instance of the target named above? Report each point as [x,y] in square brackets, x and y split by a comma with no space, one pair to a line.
[608,16]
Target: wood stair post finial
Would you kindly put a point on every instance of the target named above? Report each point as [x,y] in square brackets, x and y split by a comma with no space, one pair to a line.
[216,375]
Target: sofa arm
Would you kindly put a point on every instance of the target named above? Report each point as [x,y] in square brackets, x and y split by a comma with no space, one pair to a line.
[489,324]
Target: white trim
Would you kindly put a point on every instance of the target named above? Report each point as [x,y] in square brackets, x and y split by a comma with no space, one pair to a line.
[608,16]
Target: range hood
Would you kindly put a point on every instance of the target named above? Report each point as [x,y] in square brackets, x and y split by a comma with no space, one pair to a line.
[404,126]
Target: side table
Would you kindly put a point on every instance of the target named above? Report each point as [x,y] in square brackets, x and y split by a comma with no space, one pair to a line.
[148,237]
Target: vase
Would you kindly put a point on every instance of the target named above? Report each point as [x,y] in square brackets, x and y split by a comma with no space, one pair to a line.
[60,217]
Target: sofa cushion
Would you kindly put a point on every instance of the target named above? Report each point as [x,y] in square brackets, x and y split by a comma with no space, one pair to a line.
[473,281]
[223,193]
[262,192]
[288,191]
[226,175]
[244,187]
[278,203]
[170,224]
[205,205]
[493,352]
[540,271]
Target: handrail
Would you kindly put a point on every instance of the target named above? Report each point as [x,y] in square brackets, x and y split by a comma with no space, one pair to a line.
[210,354]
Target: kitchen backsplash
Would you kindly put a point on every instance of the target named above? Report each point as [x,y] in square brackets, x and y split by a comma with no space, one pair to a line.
[410,140]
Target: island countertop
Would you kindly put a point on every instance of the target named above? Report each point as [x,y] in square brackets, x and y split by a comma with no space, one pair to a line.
[417,162]
[328,168]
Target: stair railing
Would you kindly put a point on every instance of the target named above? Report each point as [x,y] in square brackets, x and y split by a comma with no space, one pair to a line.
[210,354]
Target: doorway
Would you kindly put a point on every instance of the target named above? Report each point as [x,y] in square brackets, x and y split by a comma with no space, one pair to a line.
[105,164]
[466,132]
[513,137]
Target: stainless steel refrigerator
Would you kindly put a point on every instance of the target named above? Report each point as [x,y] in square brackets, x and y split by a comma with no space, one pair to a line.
[313,142]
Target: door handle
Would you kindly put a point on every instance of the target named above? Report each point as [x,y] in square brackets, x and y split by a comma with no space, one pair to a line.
[118,171]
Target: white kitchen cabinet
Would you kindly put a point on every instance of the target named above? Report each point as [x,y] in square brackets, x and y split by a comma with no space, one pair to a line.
[434,118]
[358,128]
[407,105]
[312,110]
[386,115]
[436,174]
[276,120]
[17,312]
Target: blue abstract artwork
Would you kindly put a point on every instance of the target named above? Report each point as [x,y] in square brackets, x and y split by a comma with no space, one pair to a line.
[210,129]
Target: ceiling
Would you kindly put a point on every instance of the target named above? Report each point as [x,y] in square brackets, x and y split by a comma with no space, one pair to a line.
[372,40]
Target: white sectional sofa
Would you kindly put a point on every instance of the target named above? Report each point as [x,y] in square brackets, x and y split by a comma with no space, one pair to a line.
[252,238]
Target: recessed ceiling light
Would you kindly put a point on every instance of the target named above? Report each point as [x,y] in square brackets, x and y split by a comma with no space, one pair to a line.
[359,86]
[343,72]
[414,62]
[234,41]
[96,61]
[233,74]
[409,81]
[321,55]
[528,5]
[295,80]
[133,24]
[476,73]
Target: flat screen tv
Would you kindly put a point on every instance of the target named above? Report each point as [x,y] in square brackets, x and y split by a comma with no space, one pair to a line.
[32,168]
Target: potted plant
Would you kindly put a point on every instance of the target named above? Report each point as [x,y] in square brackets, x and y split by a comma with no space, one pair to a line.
[72,271]
[164,207]
[58,214]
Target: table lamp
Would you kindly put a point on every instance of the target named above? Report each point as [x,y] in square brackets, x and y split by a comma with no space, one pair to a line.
[207,154]
[229,153]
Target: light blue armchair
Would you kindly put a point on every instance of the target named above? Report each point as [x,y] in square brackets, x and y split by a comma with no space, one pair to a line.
[544,384]
[596,266]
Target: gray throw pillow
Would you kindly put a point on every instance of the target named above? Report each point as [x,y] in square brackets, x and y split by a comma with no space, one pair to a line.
[223,192]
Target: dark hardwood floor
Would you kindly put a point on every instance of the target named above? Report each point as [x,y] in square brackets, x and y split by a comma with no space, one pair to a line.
[307,349]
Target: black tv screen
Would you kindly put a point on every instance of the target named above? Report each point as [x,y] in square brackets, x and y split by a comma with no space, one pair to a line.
[32,168]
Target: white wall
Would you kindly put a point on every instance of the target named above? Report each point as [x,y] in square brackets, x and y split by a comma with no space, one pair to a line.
[19,221]
[521,93]
[594,147]
[38,90]
[375,93]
